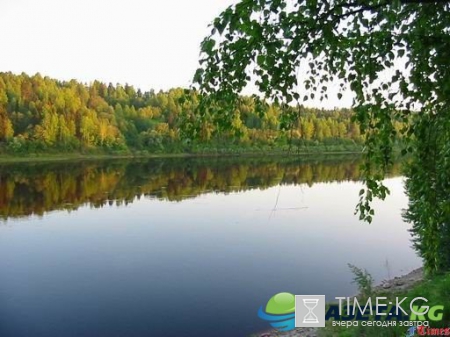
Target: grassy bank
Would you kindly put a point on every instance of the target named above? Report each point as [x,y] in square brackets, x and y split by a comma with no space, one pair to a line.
[6,157]
[435,289]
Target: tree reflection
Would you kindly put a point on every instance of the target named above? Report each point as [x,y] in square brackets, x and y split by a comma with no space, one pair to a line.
[27,189]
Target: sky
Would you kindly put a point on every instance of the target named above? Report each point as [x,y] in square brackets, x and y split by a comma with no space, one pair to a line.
[147,43]
[151,44]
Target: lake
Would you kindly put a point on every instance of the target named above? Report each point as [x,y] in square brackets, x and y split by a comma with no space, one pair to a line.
[184,247]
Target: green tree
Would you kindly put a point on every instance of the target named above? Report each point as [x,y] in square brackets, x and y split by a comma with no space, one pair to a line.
[355,43]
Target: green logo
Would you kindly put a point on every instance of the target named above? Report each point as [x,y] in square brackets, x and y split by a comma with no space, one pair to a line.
[280,312]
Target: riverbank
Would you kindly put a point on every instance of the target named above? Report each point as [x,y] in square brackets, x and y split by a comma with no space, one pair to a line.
[397,285]
[8,158]
[436,289]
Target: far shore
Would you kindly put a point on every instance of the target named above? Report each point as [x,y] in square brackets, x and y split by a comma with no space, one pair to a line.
[7,158]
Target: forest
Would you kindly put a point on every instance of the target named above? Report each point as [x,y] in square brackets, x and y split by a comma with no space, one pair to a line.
[43,115]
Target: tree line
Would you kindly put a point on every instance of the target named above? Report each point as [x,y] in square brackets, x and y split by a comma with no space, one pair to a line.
[39,114]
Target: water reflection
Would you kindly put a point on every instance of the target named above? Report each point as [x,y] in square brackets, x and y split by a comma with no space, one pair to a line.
[246,229]
[28,189]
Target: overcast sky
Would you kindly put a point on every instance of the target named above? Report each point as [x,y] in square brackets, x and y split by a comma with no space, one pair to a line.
[147,43]
[151,44]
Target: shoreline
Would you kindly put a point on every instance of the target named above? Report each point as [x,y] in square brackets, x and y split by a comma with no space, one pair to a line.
[398,283]
[4,159]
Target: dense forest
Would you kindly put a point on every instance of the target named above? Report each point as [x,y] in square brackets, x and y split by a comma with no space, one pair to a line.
[27,189]
[39,114]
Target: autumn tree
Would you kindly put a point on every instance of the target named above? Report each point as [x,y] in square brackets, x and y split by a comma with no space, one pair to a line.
[6,128]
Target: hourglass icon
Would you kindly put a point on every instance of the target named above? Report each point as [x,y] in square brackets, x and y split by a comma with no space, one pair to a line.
[309,311]
[310,304]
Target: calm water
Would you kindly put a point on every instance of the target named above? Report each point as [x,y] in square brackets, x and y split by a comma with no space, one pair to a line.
[183,247]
